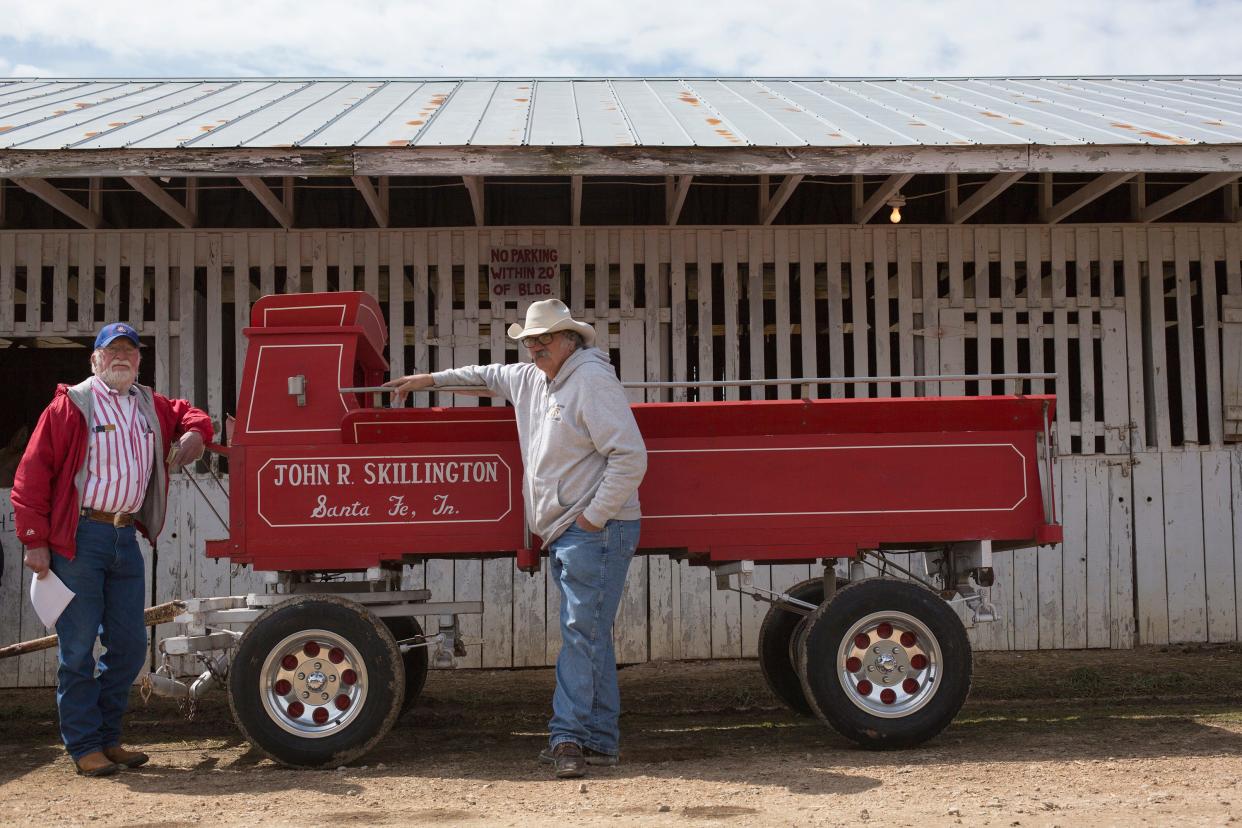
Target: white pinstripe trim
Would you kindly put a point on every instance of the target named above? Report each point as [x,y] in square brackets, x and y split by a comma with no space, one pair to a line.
[266,311]
[340,357]
[1011,446]
[394,522]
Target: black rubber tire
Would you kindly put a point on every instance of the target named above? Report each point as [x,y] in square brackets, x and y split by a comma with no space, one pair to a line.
[816,659]
[415,659]
[377,650]
[776,656]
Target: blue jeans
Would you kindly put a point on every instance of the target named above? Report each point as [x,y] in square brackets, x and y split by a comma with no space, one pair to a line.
[107,578]
[589,569]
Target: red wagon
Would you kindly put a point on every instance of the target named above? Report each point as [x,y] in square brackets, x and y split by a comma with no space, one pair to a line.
[325,480]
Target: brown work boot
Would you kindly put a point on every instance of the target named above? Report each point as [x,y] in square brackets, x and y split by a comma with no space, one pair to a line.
[128,758]
[593,757]
[96,764]
[568,761]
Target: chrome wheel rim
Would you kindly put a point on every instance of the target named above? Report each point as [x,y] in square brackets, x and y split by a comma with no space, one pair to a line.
[889,664]
[313,683]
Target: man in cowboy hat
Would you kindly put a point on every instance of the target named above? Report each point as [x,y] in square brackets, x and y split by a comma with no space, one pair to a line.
[583,459]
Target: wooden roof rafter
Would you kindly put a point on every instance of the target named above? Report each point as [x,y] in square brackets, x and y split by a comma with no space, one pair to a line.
[281,210]
[45,190]
[158,196]
[575,201]
[1190,192]
[376,199]
[676,188]
[780,197]
[991,199]
[474,186]
[996,185]
[888,188]
[1084,195]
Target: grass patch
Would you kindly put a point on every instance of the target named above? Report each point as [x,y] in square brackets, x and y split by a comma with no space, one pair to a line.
[1085,681]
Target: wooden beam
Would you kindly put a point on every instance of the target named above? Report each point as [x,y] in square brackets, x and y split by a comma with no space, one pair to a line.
[782,194]
[1192,191]
[160,198]
[3,183]
[950,195]
[474,186]
[994,186]
[282,214]
[765,193]
[94,199]
[1086,194]
[630,161]
[1045,195]
[41,188]
[575,200]
[1138,196]
[1233,206]
[887,189]
[191,195]
[675,197]
[833,161]
[379,207]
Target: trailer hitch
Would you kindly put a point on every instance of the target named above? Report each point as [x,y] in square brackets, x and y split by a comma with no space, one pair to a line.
[162,682]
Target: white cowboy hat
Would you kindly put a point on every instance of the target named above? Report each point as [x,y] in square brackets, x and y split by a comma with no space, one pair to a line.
[550,316]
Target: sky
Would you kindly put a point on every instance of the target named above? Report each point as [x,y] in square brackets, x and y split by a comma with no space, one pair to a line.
[138,38]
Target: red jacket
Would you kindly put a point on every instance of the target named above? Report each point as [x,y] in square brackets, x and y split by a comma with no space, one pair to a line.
[46,500]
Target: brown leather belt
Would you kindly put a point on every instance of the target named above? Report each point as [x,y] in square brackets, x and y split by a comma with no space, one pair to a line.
[117,519]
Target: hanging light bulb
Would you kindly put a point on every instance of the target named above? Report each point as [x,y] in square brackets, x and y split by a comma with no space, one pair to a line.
[896,202]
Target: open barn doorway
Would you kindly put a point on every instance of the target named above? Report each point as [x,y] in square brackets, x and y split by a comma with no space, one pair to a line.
[31,369]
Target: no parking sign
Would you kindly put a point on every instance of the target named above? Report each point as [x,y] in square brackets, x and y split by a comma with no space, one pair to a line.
[523,272]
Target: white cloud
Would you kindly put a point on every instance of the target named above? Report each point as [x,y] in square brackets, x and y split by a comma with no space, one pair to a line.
[552,37]
[23,70]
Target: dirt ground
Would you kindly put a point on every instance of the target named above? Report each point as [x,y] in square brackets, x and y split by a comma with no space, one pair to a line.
[1149,737]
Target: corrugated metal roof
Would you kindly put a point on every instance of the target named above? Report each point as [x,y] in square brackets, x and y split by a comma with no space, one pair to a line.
[43,114]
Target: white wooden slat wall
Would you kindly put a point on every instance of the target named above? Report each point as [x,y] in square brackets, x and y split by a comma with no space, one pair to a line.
[1058,288]
[1121,313]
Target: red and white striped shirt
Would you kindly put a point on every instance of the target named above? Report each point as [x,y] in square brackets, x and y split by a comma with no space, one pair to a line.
[121,452]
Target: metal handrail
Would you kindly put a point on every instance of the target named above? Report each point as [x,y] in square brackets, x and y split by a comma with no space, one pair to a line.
[381,389]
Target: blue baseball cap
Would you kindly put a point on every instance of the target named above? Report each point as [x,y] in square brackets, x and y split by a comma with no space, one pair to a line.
[111,332]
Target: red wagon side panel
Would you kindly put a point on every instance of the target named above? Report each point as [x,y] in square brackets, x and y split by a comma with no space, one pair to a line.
[323,480]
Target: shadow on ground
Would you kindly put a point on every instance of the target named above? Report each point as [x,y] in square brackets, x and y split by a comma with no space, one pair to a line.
[706,721]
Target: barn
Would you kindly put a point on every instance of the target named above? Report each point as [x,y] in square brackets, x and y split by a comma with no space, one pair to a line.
[858,229]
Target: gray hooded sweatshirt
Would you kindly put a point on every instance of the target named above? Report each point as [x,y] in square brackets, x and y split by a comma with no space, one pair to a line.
[581,448]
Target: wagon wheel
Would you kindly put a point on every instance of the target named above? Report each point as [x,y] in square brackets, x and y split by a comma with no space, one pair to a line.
[316,681]
[778,635]
[887,663]
[414,659]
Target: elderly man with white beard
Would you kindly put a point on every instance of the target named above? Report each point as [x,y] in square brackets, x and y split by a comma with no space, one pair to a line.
[92,473]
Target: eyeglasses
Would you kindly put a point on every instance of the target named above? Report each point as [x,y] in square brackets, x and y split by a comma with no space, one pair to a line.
[542,339]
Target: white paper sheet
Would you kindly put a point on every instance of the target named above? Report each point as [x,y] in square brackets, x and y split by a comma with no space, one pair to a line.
[50,596]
